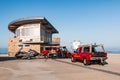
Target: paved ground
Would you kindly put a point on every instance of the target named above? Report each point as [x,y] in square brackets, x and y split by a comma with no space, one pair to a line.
[59,69]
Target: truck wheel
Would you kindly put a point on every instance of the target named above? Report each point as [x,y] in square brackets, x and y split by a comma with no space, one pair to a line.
[99,61]
[102,62]
[72,59]
[85,62]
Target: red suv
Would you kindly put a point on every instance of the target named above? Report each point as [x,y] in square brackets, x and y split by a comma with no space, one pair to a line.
[88,53]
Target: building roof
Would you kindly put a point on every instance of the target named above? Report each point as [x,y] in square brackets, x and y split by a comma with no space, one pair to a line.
[17,23]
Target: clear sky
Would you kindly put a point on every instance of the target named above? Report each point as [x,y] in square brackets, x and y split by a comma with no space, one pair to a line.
[89,21]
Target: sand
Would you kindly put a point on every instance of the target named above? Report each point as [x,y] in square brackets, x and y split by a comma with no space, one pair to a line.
[59,69]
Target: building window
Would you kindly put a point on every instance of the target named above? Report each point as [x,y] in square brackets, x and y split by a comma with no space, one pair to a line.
[20,40]
[46,36]
[26,45]
[42,34]
[17,32]
[50,37]
[20,45]
[34,31]
[23,45]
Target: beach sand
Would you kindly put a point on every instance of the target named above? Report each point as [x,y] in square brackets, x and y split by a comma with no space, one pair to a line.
[48,69]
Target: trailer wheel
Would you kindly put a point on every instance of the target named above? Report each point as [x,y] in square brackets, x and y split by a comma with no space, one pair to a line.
[72,59]
[29,58]
[86,62]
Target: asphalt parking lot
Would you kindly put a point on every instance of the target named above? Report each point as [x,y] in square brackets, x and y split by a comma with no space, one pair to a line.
[56,69]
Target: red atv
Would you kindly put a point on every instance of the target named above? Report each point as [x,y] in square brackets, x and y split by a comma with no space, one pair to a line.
[56,51]
[62,52]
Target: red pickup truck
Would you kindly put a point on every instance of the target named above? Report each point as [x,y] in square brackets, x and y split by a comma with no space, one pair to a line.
[88,53]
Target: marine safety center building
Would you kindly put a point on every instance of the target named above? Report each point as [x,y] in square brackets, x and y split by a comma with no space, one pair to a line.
[31,33]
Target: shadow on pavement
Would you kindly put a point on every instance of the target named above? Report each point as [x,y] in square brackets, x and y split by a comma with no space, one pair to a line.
[6,58]
[92,68]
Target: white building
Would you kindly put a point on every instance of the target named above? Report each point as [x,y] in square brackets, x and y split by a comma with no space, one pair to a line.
[30,33]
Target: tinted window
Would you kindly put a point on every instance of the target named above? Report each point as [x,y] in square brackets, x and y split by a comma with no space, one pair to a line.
[86,49]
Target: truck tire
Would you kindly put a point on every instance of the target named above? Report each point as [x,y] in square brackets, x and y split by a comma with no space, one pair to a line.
[72,59]
[102,62]
[86,62]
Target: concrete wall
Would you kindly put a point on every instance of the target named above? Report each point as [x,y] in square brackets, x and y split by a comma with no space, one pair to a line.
[13,47]
[56,40]
[35,47]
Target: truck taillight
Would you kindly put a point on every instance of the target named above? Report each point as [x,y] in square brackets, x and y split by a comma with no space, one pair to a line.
[105,54]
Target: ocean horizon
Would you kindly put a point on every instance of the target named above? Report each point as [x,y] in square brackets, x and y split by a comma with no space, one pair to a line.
[3,50]
[109,51]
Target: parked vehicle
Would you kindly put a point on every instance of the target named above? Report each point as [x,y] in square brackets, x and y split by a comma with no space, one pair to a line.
[56,51]
[66,52]
[49,52]
[27,55]
[88,53]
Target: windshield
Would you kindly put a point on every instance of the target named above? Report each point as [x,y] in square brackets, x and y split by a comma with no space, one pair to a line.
[97,49]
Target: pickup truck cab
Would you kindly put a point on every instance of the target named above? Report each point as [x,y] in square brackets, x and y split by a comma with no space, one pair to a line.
[88,53]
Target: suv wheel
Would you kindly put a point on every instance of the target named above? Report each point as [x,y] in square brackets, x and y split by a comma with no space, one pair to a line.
[85,62]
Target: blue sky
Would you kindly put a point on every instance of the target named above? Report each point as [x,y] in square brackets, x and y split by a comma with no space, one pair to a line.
[89,21]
